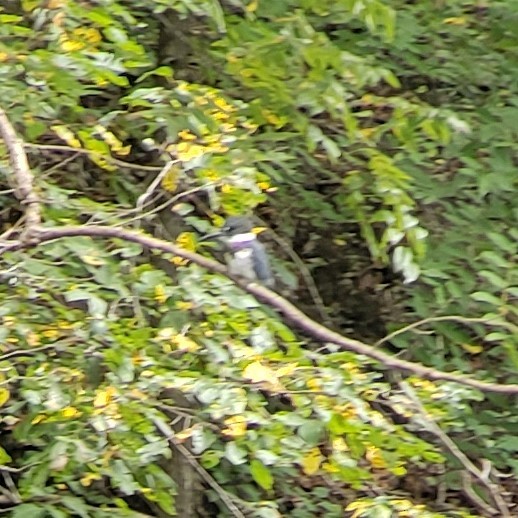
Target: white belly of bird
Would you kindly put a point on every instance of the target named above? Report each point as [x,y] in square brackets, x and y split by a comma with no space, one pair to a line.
[242,264]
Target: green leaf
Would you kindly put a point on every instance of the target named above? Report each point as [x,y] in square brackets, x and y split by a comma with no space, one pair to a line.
[483,296]
[234,454]
[160,71]
[54,512]
[210,459]
[10,18]
[4,456]
[494,258]
[123,478]
[28,510]
[76,505]
[502,242]
[115,34]
[312,432]
[261,474]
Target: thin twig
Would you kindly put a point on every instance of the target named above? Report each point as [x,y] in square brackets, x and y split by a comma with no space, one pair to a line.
[167,203]
[154,184]
[11,486]
[115,161]
[29,352]
[306,275]
[445,318]
[11,230]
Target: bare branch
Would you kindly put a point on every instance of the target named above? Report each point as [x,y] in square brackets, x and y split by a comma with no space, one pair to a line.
[23,178]
[25,192]
[291,313]
[168,433]
[154,184]
[481,475]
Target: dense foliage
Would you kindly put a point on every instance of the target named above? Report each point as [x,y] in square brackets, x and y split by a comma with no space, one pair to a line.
[376,141]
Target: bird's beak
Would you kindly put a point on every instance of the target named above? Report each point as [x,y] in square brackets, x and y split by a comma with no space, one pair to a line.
[258,230]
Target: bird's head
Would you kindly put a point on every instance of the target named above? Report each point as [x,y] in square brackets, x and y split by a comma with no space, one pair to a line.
[235,225]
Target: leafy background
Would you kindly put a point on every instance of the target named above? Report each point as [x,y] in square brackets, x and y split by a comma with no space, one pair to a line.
[377,143]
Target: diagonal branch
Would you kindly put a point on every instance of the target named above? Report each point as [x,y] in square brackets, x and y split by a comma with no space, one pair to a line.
[23,178]
[291,313]
[25,192]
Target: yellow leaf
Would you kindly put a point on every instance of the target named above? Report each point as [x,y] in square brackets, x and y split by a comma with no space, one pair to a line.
[184,343]
[112,141]
[340,445]
[179,261]
[185,434]
[65,134]
[124,150]
[186,151]
[8,321]
[50,333]
[286,370]
[92,260]
[314,384]
[367,132]
[187,241]
[311,461]
[71,45]
[472,348]
[220,116]
[218,221]
[183,305]
[33,339]
[256,372]
[252,6]
[70,412]
[375,457]
[160,295]
[89,478]
[4,396]
[186,135]
[136,393]
[264,186]
[456,20]
[104,397]
[330,467]
[89,34]
[170,180]
[102,163]
[399,471]
[359,507]
[227,188]
[236,426]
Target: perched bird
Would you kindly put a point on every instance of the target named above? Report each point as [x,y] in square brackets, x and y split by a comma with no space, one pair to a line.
[249,258]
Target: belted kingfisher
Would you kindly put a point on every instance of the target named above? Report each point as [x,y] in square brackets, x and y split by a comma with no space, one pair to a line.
[249,258]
